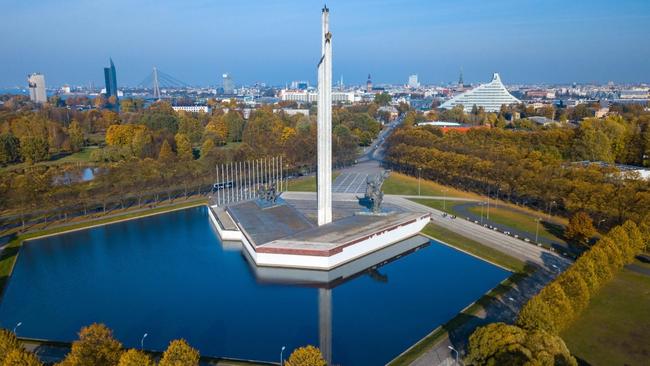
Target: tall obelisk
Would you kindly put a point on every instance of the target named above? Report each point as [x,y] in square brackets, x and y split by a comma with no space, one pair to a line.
[324,186]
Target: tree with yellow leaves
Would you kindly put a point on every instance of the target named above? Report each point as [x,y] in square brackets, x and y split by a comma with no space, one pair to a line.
[306,356]
[95,347]
[166,155]
[183,147]
[179,353]
[134,357]
[8,343]
[21,357]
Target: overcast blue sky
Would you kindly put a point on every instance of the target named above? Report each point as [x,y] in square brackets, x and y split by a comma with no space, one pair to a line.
[278,41]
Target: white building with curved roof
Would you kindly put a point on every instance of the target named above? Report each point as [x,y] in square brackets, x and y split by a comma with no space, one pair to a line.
[490,96]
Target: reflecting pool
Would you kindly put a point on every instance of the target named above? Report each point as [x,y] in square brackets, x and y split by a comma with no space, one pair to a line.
[169,276]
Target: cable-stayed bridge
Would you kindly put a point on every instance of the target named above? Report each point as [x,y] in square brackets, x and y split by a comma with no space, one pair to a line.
[158,79]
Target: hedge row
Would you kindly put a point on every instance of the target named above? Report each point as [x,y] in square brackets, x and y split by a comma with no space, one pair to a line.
[559,303]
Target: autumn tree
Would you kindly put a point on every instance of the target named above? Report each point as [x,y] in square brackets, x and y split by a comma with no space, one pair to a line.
[575,288]
[183,147]
[9,148]
[217,130]
[34,148]
[306,356]
[160,116]
[207,148]
[95,347]
[166,154]
[191,127]
[234,125]
[549,311]
[21,357]
[134,357]
[100,101]
[503,344]
[76,136]
[580,228]
[179,353]
[8,343]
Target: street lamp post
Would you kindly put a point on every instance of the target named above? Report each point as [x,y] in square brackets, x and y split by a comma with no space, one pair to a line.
[142,341]
[454,350]
[419,177]
[550,207]
[482,204]
[17,325]
[444,200]
[496,202]
[281,354]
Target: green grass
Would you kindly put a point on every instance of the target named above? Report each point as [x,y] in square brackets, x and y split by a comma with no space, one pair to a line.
[615,328]
[306,184]
[403,184]
[522,221]
[9,254]
[475,248]
[82,156]
[442,205]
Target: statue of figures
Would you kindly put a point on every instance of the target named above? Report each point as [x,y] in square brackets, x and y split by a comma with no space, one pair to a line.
[374,196]
[268,193]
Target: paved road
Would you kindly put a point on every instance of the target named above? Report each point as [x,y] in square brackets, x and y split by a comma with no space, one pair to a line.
[353,179]
[517,248]
[463,210]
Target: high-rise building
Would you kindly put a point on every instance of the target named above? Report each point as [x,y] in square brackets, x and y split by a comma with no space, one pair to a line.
[228,84]
[490,96]
[413,81]
[110,79]
[299,85]
[37,92]
[369,84]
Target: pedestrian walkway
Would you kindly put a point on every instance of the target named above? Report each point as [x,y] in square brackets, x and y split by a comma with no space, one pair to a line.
[350,183]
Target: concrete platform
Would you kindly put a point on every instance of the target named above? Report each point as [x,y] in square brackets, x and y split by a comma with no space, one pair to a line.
[282,236]
[341,274]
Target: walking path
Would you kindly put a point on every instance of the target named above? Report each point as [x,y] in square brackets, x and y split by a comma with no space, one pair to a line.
[519,249]
[463,210]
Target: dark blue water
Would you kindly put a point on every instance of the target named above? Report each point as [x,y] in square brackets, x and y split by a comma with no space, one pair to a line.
[169,276]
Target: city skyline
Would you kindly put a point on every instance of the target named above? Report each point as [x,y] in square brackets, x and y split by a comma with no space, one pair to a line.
[199,41]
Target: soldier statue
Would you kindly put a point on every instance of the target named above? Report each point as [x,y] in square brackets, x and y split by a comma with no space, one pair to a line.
[374,196]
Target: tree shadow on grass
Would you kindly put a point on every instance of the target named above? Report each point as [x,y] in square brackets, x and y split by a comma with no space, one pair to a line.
[553,228]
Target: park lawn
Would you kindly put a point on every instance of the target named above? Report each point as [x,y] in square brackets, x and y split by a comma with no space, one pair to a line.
[520,220]
[398,183]
[474,248]
[442,205]
[306,184]
[82,156]
[615,328]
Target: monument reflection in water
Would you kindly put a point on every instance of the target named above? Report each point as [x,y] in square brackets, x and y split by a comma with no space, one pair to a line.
[326,281]
[169,276]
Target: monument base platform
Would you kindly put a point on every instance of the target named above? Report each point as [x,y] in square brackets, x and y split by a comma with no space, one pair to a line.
[281,236]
